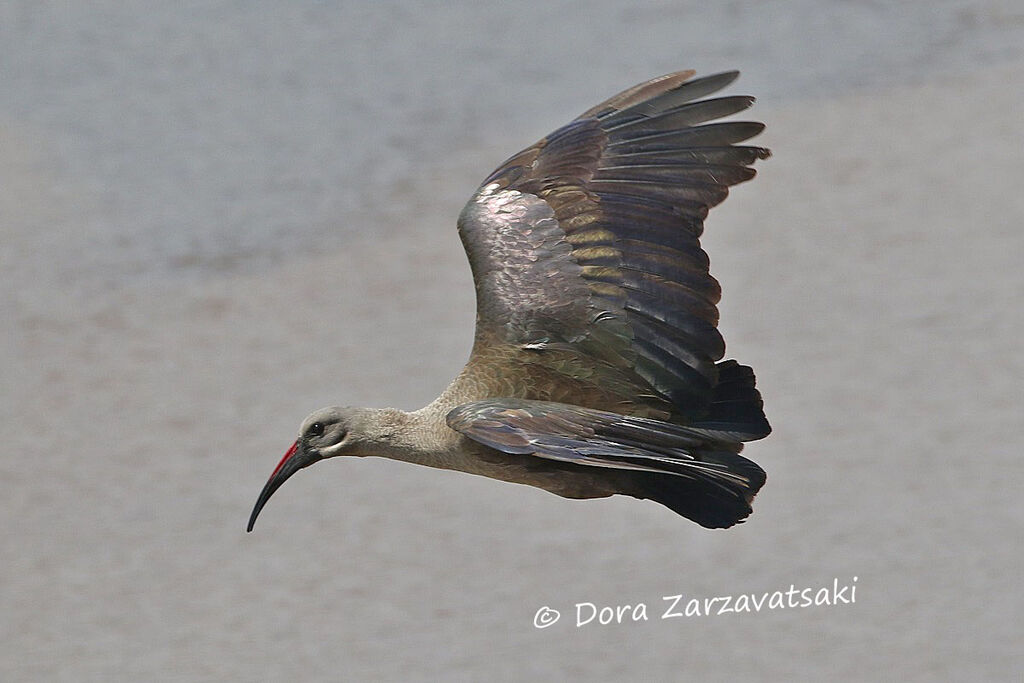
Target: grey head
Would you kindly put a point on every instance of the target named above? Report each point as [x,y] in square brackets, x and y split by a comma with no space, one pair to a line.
[326,433]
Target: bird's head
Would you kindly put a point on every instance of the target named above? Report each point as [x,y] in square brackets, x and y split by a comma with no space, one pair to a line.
[326,433]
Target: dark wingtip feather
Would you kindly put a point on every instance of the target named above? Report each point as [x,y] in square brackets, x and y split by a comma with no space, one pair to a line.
[640,93]
[650,103]
[736,410]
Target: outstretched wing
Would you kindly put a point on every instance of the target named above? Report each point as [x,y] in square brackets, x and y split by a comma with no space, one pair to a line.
[585,246]
[693,469]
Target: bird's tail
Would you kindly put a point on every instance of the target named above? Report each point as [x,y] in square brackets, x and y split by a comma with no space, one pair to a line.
[711,501]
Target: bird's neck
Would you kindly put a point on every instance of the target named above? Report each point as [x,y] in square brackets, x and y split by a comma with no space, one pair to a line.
[420,437]
[423,436]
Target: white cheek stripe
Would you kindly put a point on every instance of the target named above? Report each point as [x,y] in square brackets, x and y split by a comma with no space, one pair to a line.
[331,450]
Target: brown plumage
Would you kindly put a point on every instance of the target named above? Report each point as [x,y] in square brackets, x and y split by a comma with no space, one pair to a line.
[596,367]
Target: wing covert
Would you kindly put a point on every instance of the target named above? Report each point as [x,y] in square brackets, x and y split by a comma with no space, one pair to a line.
[696,472]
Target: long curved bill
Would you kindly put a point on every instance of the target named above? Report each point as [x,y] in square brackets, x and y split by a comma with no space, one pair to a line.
[294,460]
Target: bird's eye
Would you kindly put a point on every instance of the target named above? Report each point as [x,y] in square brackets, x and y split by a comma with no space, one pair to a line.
[316,429]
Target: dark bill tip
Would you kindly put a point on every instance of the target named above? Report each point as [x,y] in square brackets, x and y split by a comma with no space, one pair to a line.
[293,461]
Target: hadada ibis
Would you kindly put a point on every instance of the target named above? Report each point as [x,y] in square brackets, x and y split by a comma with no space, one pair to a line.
[597,365]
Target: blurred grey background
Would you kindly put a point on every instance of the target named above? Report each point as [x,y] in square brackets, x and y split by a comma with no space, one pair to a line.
[218,216]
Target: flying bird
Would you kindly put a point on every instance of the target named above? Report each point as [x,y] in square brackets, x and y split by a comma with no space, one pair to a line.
[596,367]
